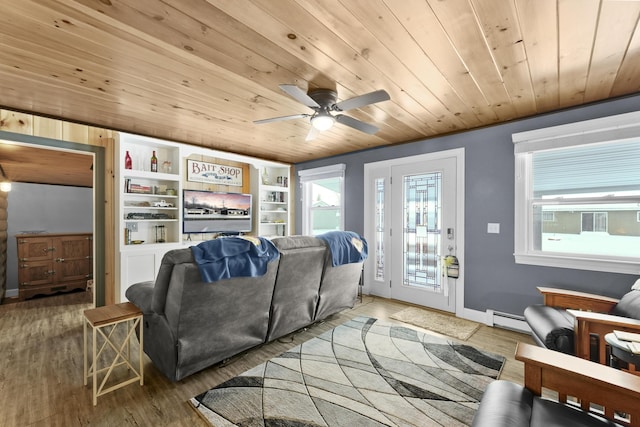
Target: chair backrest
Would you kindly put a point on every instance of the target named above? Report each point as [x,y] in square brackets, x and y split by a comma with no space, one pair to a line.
[160,289]
[295,296]
[629,304]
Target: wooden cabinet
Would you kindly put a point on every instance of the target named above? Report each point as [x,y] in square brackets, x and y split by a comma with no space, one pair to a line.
[50,263]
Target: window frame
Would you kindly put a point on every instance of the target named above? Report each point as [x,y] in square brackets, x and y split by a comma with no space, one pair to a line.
[307,177]
[623,127]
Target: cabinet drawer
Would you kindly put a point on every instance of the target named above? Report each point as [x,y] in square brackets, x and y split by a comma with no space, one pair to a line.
[73,269]
[35,249]
[35,273]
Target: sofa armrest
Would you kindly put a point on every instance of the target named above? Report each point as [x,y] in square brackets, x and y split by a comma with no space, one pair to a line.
[589,323]
[504,404]
[141,295]
[577,300]
[586,381]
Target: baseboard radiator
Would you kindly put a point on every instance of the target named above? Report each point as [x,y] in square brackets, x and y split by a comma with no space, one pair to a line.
[507,321]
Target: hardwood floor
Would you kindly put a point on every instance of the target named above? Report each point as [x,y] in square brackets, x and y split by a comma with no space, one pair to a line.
[42,361]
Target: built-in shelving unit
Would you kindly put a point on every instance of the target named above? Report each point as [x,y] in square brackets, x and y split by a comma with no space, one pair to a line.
[273,204]
[149,207]
[150,204]
[149,201]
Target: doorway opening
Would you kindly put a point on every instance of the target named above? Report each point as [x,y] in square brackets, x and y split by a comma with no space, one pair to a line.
[98,154]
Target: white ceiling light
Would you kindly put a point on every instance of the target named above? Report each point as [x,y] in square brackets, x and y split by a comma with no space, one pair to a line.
[5,184]
[322,121]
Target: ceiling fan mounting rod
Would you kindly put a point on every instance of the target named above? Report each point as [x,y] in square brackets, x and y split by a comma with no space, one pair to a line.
[326,98]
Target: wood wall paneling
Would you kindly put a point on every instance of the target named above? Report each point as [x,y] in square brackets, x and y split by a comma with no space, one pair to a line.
[28,124]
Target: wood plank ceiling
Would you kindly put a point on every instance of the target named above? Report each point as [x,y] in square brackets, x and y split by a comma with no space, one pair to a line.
[201,71]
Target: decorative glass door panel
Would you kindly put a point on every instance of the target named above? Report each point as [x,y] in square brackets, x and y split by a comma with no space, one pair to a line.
[421,231]
[422,215]
[379,229]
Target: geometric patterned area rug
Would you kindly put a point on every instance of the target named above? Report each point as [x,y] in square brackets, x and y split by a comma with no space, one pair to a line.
[453,326]
[362,373]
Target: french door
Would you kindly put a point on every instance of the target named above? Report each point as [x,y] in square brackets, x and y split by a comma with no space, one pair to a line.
[412,223]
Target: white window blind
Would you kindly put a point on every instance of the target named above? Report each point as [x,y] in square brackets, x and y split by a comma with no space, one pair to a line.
[322,173]
[594,168]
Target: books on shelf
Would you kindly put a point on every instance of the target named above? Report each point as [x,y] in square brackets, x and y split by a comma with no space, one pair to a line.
[130,187]
[634,347]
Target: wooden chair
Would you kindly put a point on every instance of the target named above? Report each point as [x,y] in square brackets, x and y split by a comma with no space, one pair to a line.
[598,389]
[593,318]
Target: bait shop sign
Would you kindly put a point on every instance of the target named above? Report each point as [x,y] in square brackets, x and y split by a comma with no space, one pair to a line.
[213,174]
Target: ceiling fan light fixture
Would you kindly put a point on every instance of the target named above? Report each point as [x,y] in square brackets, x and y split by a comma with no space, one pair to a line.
[322,121]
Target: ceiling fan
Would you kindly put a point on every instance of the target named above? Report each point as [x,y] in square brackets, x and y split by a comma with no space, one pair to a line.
[323,103]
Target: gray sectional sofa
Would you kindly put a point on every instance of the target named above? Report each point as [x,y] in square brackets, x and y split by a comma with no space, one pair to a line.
[190,325]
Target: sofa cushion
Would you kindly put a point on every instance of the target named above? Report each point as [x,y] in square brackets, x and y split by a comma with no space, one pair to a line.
[295,296]
[629,305]
[296,242]
[549,413]
[552,326]
[161,286]
[506,404]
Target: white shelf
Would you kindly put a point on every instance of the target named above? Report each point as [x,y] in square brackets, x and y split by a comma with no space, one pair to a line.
[159,196]
[276,188]
[156,176]
[148,208]
[151,220]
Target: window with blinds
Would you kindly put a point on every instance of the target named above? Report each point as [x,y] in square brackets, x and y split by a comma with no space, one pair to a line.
[578,195]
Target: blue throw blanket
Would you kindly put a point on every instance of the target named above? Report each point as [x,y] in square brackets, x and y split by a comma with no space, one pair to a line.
[346,247]
[228,257]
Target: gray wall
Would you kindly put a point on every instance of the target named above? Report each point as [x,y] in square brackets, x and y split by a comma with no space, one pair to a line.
[492,278]
[52,208]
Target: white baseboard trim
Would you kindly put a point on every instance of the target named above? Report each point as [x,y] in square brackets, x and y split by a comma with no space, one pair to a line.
[488,317]
[492,318]
[11,293]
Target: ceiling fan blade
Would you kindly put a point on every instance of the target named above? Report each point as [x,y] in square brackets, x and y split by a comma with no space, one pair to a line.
[299,95]
[362,100]
[356,124]
[279,119]
[313,133]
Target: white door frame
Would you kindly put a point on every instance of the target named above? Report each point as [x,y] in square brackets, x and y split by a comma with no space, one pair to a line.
[382,289]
